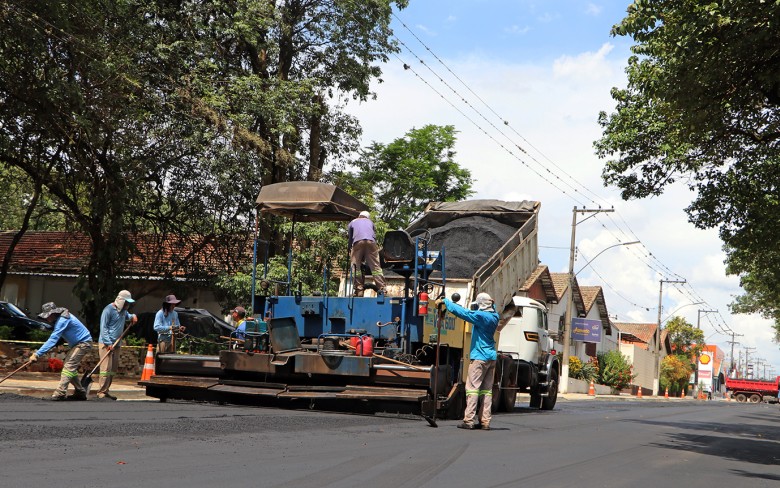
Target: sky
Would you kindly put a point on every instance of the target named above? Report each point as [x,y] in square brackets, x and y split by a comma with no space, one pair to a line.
[523,83]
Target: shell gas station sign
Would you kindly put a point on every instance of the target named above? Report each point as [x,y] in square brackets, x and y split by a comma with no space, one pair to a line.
[705,366]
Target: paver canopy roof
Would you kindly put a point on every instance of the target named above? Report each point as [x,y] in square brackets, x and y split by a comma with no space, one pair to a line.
[309,201]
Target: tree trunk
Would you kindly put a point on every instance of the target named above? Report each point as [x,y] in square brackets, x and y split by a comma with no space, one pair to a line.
[18,236]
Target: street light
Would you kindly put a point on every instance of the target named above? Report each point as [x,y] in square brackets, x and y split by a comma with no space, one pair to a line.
[564,387]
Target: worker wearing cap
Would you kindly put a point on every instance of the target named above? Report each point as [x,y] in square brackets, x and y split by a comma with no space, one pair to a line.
[166,323]
[363,248]
[479,383]
[112,324]
[239,318]
[68,327]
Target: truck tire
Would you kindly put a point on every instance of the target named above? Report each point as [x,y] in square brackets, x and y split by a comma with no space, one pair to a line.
[740,397]
[548,402]
[755,398]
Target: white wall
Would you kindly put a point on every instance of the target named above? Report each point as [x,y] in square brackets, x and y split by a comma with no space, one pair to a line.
[644,364]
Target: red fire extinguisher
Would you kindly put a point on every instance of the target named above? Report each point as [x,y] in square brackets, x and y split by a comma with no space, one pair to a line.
[422,308]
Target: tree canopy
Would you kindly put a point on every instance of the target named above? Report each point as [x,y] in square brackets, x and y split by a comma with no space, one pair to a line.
[408,173]
[166,117]
[702,106]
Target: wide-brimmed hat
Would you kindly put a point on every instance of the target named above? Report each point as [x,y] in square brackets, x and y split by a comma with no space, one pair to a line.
[171,299]
[48,309]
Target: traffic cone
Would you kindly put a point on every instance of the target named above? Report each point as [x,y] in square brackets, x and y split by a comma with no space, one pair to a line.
[682,394]
[592,389]
[666,393]
[148,371]
[639,391]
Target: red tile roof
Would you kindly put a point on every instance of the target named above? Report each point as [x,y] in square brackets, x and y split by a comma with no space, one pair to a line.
[67,253]
[642,332]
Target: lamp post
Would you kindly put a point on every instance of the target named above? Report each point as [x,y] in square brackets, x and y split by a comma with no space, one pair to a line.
[564,386]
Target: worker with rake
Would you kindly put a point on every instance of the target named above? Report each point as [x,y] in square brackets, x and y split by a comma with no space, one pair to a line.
[68,327]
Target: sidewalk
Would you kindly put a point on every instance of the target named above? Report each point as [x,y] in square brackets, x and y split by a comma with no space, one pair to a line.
[43,385]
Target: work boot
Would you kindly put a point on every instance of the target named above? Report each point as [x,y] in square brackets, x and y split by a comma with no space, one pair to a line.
[56,398]
[466,426]
[79,396]
[105,396]
[485,427]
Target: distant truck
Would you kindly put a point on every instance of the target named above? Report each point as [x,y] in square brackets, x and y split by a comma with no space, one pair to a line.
[753,391]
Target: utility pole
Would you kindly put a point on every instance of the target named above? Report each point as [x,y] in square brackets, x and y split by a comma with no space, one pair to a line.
[698,326]
[564,386]
[747,352]
[657,378]
[733,342]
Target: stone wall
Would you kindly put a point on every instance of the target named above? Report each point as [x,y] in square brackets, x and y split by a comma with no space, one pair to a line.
[13,355]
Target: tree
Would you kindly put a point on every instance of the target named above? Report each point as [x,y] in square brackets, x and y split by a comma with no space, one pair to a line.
[686,339]
[615,370]
[702,105]
[166,117]
[410,172]
[675,373]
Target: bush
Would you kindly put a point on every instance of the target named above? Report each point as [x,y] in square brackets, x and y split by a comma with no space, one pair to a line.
[39,335]
[5,332]
[575,367]
[583,371]
[615,370]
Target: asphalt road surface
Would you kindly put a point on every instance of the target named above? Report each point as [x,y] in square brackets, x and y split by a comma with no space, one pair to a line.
[579,444]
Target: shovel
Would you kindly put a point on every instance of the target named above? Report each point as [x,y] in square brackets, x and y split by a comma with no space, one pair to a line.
[86,380]
[16,370]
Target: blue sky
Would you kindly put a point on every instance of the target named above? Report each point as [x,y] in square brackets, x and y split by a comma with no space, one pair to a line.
[546,69]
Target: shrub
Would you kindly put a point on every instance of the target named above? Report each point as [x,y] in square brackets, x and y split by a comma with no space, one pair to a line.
[615,370]
[575,367]
[5,332]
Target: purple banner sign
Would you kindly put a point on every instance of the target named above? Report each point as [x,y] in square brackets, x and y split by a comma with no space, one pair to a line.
[586,330]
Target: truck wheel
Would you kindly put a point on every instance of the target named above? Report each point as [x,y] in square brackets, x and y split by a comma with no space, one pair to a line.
[755,398]
[548,402]
[741,397]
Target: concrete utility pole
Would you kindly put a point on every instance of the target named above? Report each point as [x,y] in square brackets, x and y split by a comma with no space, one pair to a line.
[733,342]
[747,352]
[698,326]
[656,380]
[564,386]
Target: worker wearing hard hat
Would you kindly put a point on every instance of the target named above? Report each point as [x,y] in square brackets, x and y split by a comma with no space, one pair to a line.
[363,249]
[479,383]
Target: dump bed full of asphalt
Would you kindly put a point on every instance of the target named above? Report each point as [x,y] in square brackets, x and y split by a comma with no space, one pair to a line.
[469,242]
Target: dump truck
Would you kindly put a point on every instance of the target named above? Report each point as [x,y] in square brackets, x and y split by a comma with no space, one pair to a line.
[390,350]
[753,391]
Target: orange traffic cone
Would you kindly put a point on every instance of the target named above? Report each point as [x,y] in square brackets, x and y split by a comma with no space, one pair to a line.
[666,393]
[682,394]
[148,371]
[592,389]
[639,392]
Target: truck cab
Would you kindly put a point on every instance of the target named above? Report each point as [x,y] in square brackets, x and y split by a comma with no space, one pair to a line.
[526,335]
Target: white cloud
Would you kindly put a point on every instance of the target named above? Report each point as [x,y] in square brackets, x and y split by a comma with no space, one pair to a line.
[426,30]
[593,9]
[516,29]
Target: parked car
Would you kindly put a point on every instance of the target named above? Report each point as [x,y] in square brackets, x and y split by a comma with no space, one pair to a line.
[198,323]
[21,325]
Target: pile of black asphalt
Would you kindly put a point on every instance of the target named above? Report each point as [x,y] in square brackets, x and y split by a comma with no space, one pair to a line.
[469,242]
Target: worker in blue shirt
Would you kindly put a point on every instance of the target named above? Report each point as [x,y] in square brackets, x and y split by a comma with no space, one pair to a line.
[112,324]
[68,327]
[479,383]
[166,323]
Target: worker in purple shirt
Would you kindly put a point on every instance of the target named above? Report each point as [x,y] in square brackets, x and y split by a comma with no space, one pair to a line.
[363,249]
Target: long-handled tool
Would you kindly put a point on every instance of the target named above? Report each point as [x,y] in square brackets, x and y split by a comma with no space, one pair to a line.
[86,380]
[16,370]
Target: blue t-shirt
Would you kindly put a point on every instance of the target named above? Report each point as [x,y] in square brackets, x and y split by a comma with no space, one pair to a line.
[71,329]
[483,346]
